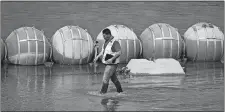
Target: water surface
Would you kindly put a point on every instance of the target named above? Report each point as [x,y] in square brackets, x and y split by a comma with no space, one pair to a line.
[65,88]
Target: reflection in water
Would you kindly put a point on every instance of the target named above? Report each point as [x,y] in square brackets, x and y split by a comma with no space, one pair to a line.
[212,71]
[20,83]
[76,69]
[41,88]
[109,104]
[63,87]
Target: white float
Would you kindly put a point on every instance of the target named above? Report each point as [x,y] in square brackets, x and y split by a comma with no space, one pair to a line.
[157,67]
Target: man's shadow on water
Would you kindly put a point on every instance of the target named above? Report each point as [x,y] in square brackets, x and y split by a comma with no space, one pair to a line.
[109,104]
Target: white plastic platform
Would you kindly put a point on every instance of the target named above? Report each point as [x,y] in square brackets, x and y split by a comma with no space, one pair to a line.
[158,67]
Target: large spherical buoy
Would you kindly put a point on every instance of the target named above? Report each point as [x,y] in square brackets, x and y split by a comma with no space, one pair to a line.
[161,41]
[27,46]
[72,45]
[129,42]
[2,49]
[204,42]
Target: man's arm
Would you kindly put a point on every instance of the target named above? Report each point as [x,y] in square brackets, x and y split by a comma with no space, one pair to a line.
[100,54]
[97,46]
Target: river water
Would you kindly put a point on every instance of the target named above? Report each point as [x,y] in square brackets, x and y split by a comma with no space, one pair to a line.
[66,87]
[63,87]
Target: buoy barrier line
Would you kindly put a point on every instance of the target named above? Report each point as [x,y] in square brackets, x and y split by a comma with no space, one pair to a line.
[160,27]
[222,48]
[127,44]
[211,39]
[141,49]
[73,45]
[120,43]
[28,43]
[92,47]
[171,41]
[178,44]
[117,31]
[154,39]
[95,51]
[195,31]
[24,40]
[81,46]
[75,39]
[63,41]
[184,48]
[43,37]
[214,55]
[6,51]
[125,39]
[18,39]
[51,52]
[207,43]
[89,49]
[133,36]
[197,41]
[166,38]
[35,35]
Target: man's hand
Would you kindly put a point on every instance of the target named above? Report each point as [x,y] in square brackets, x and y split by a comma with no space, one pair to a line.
[95,59]
[109,61]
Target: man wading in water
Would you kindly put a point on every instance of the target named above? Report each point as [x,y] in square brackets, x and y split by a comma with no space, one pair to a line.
[111,52]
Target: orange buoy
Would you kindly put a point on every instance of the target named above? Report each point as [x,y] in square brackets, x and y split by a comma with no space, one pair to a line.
[129,42]
[161,40]
[72,45]
[204,42]
[27,46]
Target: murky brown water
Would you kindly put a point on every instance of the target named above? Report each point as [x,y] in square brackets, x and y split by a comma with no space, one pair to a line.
[66,87]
